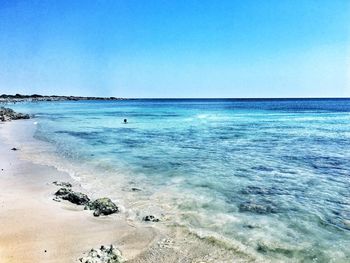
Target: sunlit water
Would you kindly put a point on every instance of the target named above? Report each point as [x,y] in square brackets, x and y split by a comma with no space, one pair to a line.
[270,176]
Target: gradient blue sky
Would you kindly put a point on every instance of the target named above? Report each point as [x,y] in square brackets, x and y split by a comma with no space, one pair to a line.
[227,48]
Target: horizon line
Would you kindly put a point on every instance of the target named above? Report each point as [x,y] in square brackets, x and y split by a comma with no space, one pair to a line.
[169,98]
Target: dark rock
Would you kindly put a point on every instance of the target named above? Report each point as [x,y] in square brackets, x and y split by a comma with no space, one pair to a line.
[7,114]
[73,197]
[249,226]
[63,191]
[134,189]
[64,184]
[256,208]
[103,206]
[19,116]
[14,149]
[56,199]
[150,218]
[77,198]
[103,255]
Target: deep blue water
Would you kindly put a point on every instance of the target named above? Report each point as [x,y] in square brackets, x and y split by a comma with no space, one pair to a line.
[270,175]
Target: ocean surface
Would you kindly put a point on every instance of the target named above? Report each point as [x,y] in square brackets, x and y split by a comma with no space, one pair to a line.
[269,177]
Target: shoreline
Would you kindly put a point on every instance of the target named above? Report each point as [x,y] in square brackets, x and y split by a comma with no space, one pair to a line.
[4,98]
[33,223]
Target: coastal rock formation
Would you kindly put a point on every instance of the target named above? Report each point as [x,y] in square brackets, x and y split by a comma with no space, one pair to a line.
[103,255]
[73,197]
[256,208]
[103,206]
[150,218]
[7,114]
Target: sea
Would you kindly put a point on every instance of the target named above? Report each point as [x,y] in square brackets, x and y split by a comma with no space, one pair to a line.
[269,176]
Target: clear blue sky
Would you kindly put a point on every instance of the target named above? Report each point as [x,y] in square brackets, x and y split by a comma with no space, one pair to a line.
[227,48]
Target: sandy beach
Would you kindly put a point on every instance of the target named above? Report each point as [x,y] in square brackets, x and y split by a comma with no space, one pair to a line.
[174,131]
[35,228]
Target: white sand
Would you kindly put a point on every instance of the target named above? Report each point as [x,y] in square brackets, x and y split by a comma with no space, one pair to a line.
[31,222]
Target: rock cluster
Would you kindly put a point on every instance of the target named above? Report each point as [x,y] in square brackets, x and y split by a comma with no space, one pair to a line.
[108,254]
[150,218]
[101,206]
[7,114]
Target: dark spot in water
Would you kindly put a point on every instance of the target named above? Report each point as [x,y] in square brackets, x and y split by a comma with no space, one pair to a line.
[264,249]
[132,143]
[175,164]
[322,164]
[257,208]
[256,190]
[144,157]
[262,168]
[249,226]
[82,135]
[286,171]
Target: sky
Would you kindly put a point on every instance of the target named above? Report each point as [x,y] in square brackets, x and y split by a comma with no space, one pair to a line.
[168,49]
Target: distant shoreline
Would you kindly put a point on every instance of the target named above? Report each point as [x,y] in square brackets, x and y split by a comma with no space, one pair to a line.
[36,97]
[5,98]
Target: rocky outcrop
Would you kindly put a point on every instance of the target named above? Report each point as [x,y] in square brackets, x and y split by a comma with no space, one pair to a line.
[103,206]
[71,196]
[108,254]
[7,114]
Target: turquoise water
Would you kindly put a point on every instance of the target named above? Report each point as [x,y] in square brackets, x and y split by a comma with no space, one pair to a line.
[270,176]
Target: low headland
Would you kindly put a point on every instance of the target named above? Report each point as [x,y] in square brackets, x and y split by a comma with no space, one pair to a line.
[36,97]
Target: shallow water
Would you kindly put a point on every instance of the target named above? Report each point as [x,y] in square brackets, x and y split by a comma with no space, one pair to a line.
[270,176]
